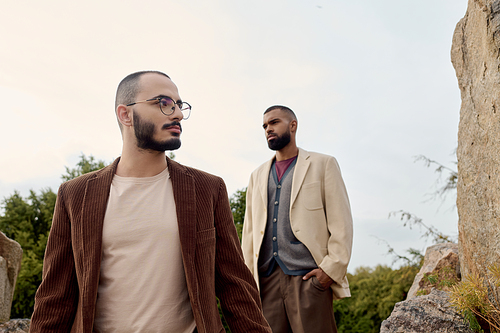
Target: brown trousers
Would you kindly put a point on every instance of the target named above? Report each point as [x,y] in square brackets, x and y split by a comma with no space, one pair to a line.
[291,304]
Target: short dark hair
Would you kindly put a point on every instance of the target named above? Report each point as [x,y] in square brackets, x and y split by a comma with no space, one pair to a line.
[283,108]
[129,86]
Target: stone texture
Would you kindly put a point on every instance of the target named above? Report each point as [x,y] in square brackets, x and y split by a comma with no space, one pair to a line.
[10,264]
[15,326]
[436,258]
[475,56]
[424,314]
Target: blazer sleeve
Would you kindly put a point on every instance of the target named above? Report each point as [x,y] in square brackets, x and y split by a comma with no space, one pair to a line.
[56,299]
[234,284]
[339,221]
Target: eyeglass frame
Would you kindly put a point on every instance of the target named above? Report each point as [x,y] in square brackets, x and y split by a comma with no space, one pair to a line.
[159,98]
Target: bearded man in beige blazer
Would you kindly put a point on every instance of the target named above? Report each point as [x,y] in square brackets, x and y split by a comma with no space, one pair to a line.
[297,232]
[145,244]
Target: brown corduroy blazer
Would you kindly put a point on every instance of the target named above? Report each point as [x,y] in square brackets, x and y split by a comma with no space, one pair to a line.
[212,257]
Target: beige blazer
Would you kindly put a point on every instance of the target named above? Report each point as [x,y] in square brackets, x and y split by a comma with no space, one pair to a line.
[213,263]
[320,216]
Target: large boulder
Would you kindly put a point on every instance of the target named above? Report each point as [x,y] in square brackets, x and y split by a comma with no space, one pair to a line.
[424,314]
[440,261]
[10,264]
[475,55]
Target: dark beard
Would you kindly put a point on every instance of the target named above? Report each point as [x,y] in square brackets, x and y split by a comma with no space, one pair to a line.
[279,142]
[144,132]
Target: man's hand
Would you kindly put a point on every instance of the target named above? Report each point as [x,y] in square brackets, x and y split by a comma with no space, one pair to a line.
[322,277]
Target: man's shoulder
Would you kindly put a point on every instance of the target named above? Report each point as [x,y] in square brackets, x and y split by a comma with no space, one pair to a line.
[82,180]
[263,168]
[319,161]
[196,173]
[320,156]
[264,165]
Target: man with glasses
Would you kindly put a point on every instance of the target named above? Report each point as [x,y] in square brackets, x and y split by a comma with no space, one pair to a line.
[297,231]
[145,244]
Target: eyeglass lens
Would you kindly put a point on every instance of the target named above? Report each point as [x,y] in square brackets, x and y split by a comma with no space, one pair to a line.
[167,106]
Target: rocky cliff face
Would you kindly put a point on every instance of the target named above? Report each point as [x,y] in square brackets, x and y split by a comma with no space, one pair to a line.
[475,56]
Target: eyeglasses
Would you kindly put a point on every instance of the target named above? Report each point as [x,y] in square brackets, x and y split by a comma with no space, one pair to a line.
[167,106]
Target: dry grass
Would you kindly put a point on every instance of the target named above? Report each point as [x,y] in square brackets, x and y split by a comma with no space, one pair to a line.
[476,298]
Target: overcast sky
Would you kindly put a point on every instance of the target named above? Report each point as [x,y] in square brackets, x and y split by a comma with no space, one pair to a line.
[371,82]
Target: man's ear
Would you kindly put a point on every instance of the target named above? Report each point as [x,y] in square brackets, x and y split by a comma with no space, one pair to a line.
[293,125]
[124,115]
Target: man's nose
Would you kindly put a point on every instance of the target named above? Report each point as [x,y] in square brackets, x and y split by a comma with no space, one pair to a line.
[177,115]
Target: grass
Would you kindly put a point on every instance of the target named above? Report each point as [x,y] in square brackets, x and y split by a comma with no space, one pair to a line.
[476,298]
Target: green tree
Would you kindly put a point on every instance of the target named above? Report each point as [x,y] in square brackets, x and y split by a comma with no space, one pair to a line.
[86,165]
[238,203]
[28,221]
[374,292]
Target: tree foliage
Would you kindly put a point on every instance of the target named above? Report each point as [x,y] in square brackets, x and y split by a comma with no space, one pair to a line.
[374,292]
[28,221]
[238,203]
[86,165]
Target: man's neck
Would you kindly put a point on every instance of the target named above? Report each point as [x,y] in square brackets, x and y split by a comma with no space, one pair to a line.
[141,163]
[287,152]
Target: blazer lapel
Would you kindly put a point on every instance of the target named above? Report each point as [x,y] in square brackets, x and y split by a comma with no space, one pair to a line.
[299,174]
[263,183]
[92,218]
[185,203]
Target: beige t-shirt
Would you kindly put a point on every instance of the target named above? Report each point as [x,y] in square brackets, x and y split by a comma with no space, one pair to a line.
[142,286]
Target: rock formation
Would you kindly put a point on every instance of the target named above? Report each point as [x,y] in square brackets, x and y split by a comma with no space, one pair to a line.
[475,56]
[424,314]
[438,258]
[10,264]
[15,326]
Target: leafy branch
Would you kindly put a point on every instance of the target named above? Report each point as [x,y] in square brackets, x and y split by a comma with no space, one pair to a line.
[450,182]
[412,220]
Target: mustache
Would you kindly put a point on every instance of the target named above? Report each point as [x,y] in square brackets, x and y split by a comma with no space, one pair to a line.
[174,123]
